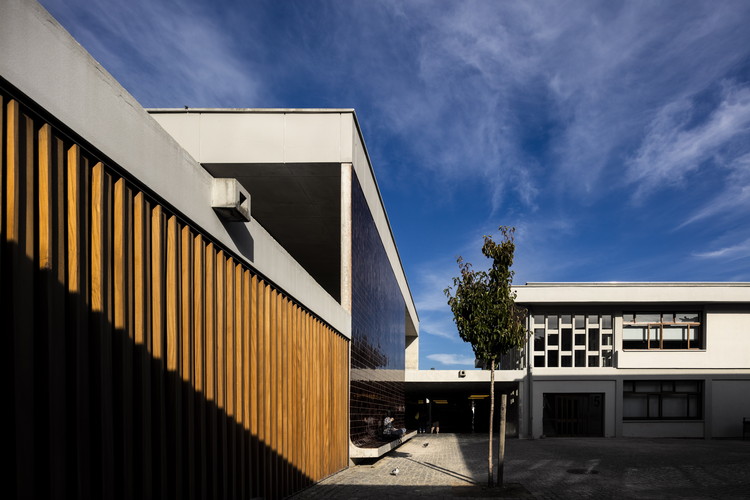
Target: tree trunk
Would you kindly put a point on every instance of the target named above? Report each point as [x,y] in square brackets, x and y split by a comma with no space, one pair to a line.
[490,482]
[501,432]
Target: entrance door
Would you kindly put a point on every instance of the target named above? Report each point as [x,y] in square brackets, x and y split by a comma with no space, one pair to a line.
[573,414]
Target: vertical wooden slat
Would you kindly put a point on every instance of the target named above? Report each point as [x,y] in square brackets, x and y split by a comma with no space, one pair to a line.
[172,311]
[199,332]
[256,422]
[221,372]
[61,340]
[266,401]
[142,364]
[187,409]
[210,364]
[158,316]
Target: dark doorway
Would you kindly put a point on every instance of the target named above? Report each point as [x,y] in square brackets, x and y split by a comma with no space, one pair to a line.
[573,414]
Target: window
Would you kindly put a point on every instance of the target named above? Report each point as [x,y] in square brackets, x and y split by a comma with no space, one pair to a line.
[669,330]
[662,400]
[565,339]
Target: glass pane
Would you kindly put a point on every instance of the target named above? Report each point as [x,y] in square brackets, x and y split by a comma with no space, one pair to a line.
[539,339]
[647,386]
[552,322]
[607,321]
[567,361]
[628,317]
[634,337]
[606,358]
[655,337]
[687,386]
[607,339]
[581,339]
[674,406]
[593,360]
[594,339]
[566,319]
[593,320]
[648,318]
[628,386]
[539,361]
[552,359]
[667,386]
[696,337]
[653,406]
[675,337]
[580,358]
[580,321]
[567,339]
[634,406]
[688,317]
[552,339]
[694,409]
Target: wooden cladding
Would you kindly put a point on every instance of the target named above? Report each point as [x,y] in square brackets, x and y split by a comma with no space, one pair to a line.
[144,360]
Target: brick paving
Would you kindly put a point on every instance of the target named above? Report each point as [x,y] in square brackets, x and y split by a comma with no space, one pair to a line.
[455,466]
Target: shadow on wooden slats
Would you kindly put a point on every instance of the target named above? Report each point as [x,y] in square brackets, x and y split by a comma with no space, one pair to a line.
[143,360]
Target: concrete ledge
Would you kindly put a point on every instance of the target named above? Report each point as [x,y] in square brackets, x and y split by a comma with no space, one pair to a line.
[357,452]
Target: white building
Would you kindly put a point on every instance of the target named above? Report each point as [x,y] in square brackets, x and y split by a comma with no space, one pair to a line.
[623,359]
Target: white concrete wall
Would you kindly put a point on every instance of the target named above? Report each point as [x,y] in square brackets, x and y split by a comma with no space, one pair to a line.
[287,136]
[727,336]
[606,387]
[41,59]
[640,293]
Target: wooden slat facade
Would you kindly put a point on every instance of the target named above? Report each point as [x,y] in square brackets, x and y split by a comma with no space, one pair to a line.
[143,359]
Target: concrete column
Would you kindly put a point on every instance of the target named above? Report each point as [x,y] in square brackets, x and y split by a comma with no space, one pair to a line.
[346,236]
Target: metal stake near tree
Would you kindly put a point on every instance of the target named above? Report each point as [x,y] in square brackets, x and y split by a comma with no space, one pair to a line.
[486,315]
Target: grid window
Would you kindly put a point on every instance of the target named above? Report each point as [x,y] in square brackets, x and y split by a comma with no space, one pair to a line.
[662,400]
[568,340]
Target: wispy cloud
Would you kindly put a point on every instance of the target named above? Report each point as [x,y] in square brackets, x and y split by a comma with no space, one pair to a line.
[166,53]
[451,359]
[738,251]
[672,147]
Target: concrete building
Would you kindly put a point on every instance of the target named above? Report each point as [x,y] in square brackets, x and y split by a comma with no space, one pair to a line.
[615,359]
[203,303]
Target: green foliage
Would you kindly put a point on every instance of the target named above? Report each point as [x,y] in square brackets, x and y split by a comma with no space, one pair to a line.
[483,302]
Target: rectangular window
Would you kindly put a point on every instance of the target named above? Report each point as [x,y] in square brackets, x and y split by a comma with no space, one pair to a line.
[539,339]
[593,339]
[552,359]
[567,339]
[670,330]
[580,321]
[580,358]
[662,400]
[539,361]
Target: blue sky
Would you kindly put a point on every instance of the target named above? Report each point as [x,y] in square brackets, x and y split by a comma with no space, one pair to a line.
[615,136]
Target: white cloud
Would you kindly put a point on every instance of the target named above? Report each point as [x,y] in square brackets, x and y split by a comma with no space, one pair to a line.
[738,251]
[165,53]
[451,359]
[673,148]
[734,200]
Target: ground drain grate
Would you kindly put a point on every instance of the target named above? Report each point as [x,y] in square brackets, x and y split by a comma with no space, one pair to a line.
[582,471]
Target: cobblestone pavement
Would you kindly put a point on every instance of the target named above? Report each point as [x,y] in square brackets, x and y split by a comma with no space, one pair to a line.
[455,466]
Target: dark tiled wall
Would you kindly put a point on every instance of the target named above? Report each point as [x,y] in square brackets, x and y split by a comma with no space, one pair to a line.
[378,330]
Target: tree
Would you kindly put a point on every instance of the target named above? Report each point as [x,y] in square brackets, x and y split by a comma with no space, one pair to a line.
[486,315]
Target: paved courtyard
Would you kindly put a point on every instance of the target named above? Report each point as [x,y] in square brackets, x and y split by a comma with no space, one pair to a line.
[455,466]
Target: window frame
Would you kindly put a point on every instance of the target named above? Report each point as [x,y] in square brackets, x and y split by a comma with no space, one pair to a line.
[659,328]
